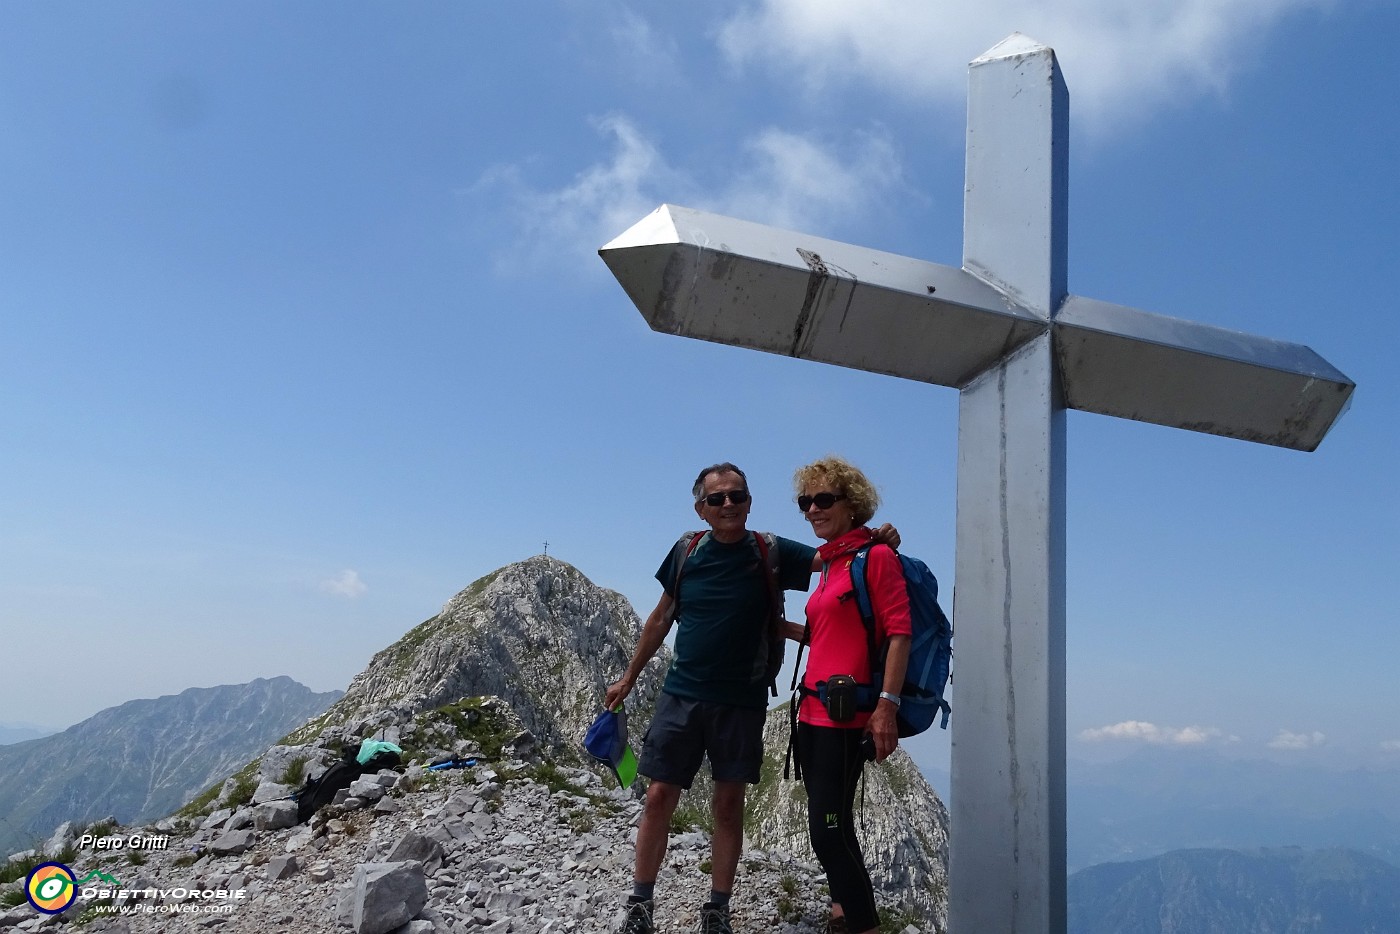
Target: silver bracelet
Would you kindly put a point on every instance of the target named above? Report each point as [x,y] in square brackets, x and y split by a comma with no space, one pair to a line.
[892,698]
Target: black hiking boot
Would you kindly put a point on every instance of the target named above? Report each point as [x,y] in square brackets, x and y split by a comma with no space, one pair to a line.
[638,920]
[714,919]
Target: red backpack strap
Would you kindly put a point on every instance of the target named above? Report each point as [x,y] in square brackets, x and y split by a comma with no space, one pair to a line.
[685,546]
[768,558]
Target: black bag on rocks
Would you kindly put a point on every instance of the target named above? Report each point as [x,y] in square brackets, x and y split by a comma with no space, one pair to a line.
[320,791]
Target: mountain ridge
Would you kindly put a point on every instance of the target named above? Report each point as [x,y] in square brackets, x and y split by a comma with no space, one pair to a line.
[1157,801]
[1284,890]
[144,758]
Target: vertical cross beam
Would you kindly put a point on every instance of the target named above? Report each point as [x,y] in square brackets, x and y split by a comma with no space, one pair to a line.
[1008,760]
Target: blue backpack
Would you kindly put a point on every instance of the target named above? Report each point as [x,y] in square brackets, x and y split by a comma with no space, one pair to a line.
[930,649]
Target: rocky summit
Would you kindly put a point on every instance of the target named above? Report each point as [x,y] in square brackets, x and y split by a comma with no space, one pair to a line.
[537,634]
[493,822]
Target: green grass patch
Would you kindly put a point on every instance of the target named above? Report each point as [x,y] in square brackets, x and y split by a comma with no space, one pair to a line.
[201,804]
[688,816]
[19,867]
[898,777]
[552,777]
[478,586]
[102,828]
[789,904]
[468,719]
[892,922]
[245,783]
[294,774]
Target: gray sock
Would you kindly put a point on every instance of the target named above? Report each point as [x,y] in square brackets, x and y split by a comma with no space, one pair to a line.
[643,891]
[719,899]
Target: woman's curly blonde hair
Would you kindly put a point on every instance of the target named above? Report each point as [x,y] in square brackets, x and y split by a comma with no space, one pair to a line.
[846,478]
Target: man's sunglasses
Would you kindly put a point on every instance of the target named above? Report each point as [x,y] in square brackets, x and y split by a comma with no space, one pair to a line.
[821,501]
[737,497]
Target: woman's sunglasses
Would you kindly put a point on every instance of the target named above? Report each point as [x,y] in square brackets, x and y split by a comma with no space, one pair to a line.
[821,501]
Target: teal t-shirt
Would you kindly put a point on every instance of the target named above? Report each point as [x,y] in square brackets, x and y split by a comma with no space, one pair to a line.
[724,614]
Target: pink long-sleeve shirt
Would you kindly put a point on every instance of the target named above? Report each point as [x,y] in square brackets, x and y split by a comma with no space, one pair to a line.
[837,636]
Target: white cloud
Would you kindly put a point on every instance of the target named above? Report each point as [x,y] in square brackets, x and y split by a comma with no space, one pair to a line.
[1119,58]
[347,584]
[796,182]
[1390,745]
[1287,740]
[599,203]
[1138,731]
[780,178]
[646,52]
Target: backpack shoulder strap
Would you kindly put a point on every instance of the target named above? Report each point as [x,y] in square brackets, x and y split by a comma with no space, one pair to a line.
[683,548]
[860,581]
[862,587]
[766,543]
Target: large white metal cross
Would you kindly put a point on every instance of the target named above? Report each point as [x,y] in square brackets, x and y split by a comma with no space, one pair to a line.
[1004,330]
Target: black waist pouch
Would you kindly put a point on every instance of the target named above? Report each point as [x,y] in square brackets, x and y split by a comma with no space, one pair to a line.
[838,696]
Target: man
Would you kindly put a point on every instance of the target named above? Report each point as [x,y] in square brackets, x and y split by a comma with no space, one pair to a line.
[710,703]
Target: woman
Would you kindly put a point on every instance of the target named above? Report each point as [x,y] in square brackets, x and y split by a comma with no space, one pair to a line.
[838,500]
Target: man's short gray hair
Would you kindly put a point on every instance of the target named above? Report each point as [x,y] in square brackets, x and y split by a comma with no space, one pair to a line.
[698,491]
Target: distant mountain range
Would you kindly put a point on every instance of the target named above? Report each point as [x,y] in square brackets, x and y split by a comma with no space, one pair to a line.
[145,758]
[19,732]
[1158,800]
[1162,800]
[1270,891]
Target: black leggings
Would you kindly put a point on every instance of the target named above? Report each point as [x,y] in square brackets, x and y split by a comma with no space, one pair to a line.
[831,761]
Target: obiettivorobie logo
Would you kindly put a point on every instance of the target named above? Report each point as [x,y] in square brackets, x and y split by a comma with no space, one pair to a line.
[52,887]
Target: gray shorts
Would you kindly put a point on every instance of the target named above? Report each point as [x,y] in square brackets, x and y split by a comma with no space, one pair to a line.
[683,732]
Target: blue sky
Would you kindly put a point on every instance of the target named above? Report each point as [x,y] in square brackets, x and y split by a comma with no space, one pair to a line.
[302,328]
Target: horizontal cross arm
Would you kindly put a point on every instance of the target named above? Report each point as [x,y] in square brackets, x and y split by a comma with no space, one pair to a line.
[1121,361]
[734,282]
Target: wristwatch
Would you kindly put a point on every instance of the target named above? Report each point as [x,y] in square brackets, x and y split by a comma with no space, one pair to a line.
[892,698]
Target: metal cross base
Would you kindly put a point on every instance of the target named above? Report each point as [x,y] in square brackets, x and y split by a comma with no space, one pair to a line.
[1005,332]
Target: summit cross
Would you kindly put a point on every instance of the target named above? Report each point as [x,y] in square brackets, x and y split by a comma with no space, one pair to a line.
[1003,330]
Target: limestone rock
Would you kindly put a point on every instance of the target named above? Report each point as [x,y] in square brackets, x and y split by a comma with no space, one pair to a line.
[62,836]
[420,849]
[270,791]
[366,789]
[281,867]
[275,815]
[232,843]
[387,896]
